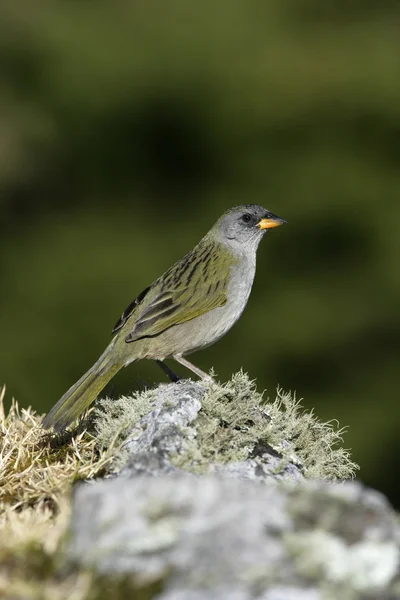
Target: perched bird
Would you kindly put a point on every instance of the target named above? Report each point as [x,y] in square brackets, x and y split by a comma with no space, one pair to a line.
[188,308]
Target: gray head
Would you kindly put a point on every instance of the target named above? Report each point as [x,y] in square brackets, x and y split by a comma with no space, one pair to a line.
[243,227]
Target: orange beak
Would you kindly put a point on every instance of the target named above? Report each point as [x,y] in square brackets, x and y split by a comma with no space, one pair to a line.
[271,222]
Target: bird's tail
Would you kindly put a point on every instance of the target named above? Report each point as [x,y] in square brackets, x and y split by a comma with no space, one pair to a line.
[84,391]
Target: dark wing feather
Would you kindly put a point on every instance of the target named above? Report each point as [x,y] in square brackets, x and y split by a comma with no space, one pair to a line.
[129,310]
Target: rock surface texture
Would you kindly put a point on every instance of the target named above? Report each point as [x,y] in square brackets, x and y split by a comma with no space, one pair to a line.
[250,528]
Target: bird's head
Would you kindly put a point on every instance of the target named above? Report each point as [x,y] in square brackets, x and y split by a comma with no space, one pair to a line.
[244,226]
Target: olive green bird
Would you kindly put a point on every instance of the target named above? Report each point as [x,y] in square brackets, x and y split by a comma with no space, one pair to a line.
[188,308]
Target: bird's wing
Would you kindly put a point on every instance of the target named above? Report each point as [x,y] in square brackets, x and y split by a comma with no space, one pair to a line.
[130,309]
[194,286]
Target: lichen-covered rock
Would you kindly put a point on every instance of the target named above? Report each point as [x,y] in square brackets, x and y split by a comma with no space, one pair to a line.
[216,537]
[264,467]
[229,429]
[218,493]
[164,441]
[214,493]
[165,432]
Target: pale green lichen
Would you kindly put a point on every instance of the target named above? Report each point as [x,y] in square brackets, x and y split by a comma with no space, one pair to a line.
[191,459]
[236,422]
[364,566]
[113,419]
[300,436]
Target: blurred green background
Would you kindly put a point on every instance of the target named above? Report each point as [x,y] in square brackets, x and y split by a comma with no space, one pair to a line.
[126,128]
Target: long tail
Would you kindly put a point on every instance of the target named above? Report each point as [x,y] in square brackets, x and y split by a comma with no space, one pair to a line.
[84,391]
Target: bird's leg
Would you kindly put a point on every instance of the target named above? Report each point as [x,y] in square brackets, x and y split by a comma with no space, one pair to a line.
[191,367]
[168,371]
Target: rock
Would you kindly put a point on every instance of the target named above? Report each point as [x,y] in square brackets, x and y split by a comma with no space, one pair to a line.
[218,494]
[173,437]
[216,537]
[265,467]
[165,431]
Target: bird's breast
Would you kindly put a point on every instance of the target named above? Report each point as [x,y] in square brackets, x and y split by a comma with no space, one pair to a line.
[239,288]
[211,326]
[208,328]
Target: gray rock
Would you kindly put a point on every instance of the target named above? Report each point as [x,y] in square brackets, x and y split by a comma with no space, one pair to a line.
[209,502]
[215,537]
[292,593]
[265,467]
[165,431]
[278,593]
[223,593]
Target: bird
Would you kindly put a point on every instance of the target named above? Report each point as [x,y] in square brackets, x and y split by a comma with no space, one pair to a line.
[191,306]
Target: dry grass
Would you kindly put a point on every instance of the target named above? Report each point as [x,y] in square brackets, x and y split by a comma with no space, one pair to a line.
[37,472]
[36,468]
[32,562]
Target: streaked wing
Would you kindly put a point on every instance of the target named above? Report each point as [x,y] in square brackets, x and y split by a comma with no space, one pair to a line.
[129,310]
[167,310]
[194,286]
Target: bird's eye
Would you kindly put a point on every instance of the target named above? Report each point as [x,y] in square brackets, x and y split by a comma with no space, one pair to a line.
[246,218]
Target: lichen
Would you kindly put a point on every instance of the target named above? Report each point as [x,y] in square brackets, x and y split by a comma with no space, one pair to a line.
[237,422]
[364,566]
[300,436]
[38,468]
[113,419]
